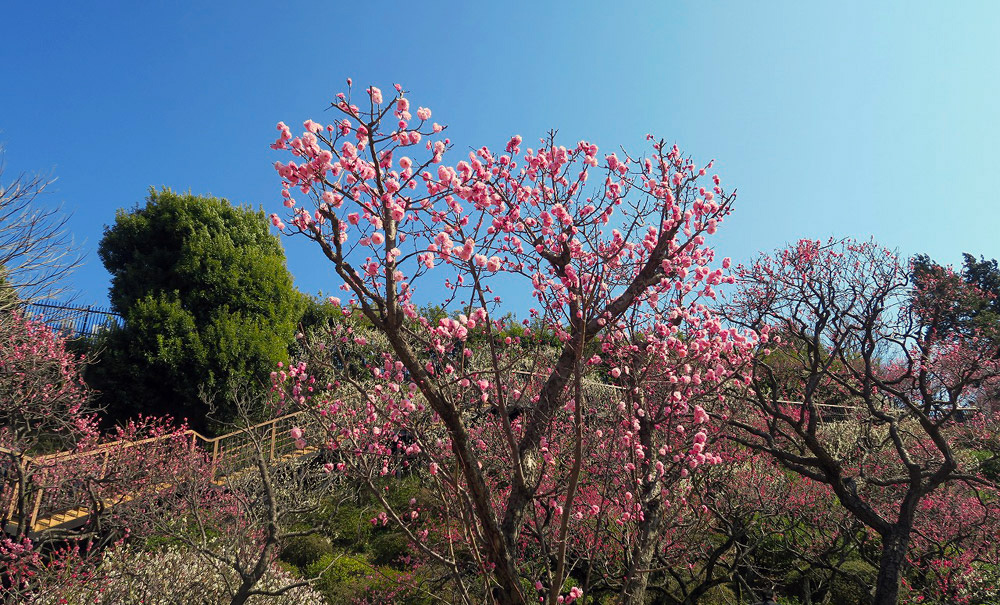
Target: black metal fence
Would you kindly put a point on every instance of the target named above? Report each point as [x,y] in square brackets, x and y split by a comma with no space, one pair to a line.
[75,321]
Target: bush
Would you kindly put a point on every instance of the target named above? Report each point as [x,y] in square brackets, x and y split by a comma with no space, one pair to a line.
[852,583]
[169,575]
[351,527]
[991,467]
[345,579]
[300,551]
[342,578]
[719,595]
[389,548]
[798,581]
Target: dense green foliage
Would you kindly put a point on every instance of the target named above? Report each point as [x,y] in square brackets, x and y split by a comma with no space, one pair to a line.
[963,313]
[208,305]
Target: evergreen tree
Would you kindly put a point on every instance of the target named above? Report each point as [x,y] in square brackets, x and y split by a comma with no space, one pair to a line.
[208,305]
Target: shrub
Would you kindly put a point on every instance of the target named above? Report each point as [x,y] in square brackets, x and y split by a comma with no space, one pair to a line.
[719,595]
[852,584]
[342,578]
[347,579]
[300,551]
[350,527]
[170,575]
[388,548]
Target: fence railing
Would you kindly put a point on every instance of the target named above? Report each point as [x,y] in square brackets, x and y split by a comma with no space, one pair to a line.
[35,491]
[74,320]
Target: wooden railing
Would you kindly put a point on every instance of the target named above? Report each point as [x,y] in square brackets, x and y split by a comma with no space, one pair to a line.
[50,504]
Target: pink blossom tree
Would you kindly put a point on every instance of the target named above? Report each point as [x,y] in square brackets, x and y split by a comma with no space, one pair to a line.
[531,463]
[955,552]
[862,387]
[55,461]
[43,406]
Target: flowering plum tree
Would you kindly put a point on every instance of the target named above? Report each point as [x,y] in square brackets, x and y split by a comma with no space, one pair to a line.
[53,459]
[762,527]
[955,553]
[864,386]
[239,522]
[531,465]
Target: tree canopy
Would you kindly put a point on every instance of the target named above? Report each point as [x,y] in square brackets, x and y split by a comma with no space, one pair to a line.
[977,310]
[207,300]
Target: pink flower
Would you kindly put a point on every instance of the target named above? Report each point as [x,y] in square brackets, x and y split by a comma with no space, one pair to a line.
[423,113]
[467,249]
[296,433]
[513,146]
[376,95]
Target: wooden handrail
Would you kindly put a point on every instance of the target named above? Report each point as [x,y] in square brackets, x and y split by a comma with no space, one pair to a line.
[72,455]
[39,516]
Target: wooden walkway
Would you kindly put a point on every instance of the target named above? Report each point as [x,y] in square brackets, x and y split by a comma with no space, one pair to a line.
[45,508]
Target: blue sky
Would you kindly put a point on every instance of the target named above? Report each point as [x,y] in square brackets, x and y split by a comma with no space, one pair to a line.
[841,119]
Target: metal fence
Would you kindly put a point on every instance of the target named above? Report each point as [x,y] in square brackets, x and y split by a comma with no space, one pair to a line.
[74,321]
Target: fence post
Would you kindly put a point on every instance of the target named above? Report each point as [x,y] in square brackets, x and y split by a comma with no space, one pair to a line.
[274,435]
[215,457]
[104,464]
[34,511]
[15,497]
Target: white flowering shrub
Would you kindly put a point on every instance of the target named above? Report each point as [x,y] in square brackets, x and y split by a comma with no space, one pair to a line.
[171,576]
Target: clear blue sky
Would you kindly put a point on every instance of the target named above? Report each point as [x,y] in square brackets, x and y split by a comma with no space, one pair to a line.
[848,119]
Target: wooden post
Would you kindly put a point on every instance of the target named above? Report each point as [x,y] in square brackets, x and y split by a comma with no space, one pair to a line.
[215,457]
[13,500]
[274,435]
[34,511]
[104,465]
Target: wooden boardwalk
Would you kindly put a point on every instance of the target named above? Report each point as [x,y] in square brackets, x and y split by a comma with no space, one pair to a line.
[44,508]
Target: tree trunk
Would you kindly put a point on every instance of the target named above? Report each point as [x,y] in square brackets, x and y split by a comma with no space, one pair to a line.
[637,577]
[890,568]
